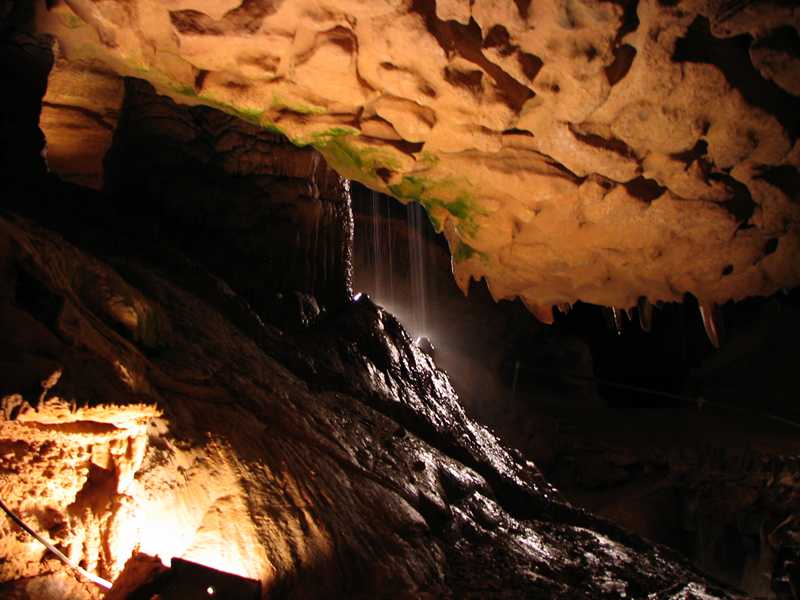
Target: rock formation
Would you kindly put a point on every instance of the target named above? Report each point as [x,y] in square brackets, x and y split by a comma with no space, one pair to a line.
[184,369]
[336,462]
[704,469]
[569,150]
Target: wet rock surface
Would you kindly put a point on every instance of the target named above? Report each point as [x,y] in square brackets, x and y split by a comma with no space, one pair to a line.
[694,467]
[336,461]
[732,509]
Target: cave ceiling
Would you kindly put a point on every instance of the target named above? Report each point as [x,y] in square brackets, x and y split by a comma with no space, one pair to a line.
[569,150]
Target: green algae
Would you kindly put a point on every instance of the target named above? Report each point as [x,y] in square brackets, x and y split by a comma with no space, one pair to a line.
[251,115]
[280,103]
[184,90]
[351,160]
[463,252]
[320,139]
[72,21]
[273,128]
[432,195]
[427,160]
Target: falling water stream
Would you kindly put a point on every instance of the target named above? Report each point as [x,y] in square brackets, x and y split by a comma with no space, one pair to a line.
[400,284]
[382,250]
[417,253]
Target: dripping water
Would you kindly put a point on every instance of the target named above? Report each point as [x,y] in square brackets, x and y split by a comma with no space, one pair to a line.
[313,255]
[382,250]
[395,255]
[417,254]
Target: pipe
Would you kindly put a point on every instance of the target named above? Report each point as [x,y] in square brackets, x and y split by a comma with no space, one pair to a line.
[60,555]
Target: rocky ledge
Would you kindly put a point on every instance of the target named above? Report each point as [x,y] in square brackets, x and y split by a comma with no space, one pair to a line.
[610,152]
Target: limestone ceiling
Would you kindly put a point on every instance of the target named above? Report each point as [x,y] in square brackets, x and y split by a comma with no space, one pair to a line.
[568,149]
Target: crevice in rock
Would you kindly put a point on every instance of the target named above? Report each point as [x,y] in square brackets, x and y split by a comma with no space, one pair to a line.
[249,15]
[194,22]
[771,246]
[515,131]
[75,427]
[472,81]
[696,152]
[785,39]
[466,42]
[630,19]
[498,38]
[612,145]
[405,146]
[530,64]
[523,8]
[246,18]
[784,177]
[732,57]
[384,173]
[623,59]
[200,80]
[338,36]
[741,204]
[567,173]
[96,498]
[644,189]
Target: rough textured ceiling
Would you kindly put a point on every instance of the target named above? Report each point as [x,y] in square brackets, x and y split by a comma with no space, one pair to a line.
[569,150]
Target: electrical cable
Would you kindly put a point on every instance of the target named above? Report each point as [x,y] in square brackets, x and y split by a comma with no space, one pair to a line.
[642,390]
[60,555]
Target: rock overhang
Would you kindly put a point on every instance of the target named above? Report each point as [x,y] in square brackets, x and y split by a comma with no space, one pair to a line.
[601,152]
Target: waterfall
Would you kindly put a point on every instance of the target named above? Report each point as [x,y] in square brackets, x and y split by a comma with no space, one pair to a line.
[381,251]
[396,261]
[417,254]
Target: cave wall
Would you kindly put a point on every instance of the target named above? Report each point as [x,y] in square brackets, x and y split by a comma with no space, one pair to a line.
[207,181]
[80,110]
[710,470]
[335,460]
[196,179]
[569,150]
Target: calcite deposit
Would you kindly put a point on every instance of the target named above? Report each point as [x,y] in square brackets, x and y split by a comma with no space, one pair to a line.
[568,149]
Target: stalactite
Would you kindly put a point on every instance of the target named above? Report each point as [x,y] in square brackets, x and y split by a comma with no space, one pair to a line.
[712,322]
[645,314]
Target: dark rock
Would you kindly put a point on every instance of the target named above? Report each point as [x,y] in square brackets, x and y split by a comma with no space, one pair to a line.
[204,180]
[300,453]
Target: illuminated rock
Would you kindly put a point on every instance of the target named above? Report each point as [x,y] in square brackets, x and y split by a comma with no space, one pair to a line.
[568,150]
[79,114]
